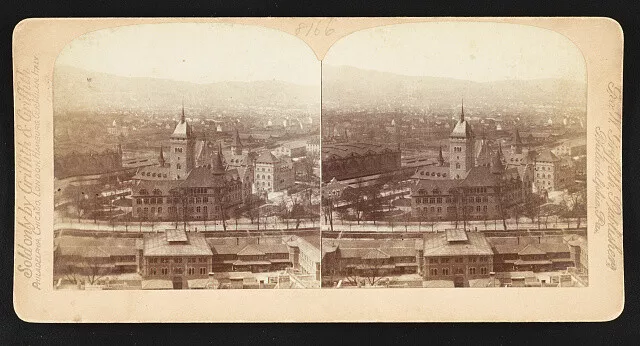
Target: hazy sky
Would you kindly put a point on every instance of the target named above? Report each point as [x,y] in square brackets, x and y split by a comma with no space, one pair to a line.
[471,51]
[200,53]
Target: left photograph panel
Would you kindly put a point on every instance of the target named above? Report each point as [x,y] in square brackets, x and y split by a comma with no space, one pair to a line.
[187,156]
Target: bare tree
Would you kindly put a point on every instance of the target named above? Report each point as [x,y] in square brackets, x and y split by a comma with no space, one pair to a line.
[371,271]
[327,208]
[357,201]
[62,266]
[283,212]
[343,213]
[577,206]
[93,269]
[235,214]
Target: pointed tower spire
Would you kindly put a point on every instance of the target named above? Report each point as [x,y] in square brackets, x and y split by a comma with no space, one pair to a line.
[496,164]
[217,166]
[237,144]
[517,143]
[462,111]
[182,119]
[161,160]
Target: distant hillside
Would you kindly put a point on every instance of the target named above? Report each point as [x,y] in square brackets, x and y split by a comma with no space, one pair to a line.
[77,90]
[348,86]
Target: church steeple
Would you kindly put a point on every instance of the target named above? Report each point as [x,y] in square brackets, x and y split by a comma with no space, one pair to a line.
[462,111]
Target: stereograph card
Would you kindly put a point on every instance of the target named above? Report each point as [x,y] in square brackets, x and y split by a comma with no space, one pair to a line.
[318,169]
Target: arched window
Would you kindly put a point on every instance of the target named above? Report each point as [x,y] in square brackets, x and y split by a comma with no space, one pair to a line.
[143,192]
[457,165]
[178,166]
[157,192]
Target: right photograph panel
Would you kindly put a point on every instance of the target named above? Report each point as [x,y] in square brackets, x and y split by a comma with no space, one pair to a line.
[454,155]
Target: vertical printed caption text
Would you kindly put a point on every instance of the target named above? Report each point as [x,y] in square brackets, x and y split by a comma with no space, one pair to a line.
[607,181]
[28,165]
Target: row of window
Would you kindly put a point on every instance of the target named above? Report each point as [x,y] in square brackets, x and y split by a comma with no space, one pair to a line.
[457,271]
[177,271]
[438,210]
[174,210]
[432,200]
[175,200]
[178,260]
[434,174]
[433,260]
[155,175]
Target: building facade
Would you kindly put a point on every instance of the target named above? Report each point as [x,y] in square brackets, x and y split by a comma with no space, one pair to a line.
[352,161]
[458,256]
[185,187]
[272,173]
[553,173]
[174,258]
[473,185]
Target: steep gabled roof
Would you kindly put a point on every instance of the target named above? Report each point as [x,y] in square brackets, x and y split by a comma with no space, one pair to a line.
[267,157]
[480,176]
[547,156]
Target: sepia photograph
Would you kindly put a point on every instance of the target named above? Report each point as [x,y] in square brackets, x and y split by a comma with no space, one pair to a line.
[184,163]
[307,168]
[454,155]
